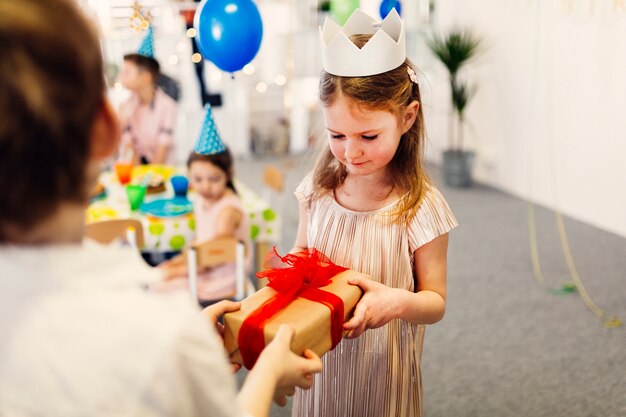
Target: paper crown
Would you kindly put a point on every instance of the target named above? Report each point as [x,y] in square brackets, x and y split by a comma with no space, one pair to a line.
[146,48]
[384,51]
[209,141]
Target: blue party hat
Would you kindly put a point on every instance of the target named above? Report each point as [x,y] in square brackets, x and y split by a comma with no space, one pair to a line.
[147,44]
[209,141]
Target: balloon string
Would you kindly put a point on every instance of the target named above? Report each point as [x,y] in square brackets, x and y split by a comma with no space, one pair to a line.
[534,249]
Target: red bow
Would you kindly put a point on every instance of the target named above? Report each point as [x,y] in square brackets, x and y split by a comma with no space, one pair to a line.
[302,276]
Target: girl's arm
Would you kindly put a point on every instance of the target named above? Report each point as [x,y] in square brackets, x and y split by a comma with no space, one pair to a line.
[227,222]
[381,304]
[301,242]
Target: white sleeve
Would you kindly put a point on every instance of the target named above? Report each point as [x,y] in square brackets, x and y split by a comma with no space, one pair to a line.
[192,377]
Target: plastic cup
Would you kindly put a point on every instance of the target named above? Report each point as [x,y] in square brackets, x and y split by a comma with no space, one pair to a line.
[135,193]
[180,184]
[123,170]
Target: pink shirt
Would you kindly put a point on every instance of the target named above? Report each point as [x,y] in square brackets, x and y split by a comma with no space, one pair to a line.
[148,126]
[206,216]
[219,282]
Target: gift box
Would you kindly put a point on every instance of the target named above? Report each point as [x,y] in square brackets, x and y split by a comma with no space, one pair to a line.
[312,295]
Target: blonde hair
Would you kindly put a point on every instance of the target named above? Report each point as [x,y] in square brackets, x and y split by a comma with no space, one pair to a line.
[391,91]
[51,87]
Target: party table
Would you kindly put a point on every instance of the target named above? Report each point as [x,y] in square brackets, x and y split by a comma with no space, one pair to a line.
[172,232]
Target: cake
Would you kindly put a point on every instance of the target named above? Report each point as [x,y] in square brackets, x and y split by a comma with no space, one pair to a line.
[156,184]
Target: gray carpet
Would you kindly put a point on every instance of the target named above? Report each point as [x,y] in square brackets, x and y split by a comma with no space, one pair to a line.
[506,346]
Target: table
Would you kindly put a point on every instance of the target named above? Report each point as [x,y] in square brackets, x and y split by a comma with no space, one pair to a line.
[172,234]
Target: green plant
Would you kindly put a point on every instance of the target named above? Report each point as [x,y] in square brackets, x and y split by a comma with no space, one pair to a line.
[462,93]
[454,51]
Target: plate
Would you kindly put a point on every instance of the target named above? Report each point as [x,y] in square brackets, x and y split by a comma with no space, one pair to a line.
[102,195]
[170,207]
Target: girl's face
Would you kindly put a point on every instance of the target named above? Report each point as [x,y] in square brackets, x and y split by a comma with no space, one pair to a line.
[365,140]
[208,180]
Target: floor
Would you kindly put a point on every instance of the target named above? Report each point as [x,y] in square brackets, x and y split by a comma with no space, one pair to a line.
[509,346]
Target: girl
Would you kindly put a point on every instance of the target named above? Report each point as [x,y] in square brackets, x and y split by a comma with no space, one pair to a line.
[369,206]
[218,213]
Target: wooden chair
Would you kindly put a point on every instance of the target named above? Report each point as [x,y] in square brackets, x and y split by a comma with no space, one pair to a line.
[274,184]
[215,252]
[128,230]
[274,178]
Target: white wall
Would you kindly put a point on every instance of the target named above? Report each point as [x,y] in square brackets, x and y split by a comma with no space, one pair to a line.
[549,120]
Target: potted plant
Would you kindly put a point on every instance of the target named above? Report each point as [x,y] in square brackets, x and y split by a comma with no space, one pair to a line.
[454,51]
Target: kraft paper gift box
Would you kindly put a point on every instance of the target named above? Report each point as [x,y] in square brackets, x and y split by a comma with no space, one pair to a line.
[311,320]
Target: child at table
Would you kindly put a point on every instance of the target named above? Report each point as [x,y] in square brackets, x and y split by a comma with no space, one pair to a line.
[369,206]
[217,210]
[80,336]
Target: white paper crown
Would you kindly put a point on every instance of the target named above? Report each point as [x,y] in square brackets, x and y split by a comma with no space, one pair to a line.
[385,50]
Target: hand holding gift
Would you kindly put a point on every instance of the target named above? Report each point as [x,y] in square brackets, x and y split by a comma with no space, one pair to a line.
[278,368]
[376,308]
[291,370]
[217,310]
[311,294]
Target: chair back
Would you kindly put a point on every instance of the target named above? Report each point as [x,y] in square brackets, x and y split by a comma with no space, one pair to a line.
[214,252]
[129,230]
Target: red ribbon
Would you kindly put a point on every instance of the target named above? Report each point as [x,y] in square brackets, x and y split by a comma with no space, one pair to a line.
[302,276]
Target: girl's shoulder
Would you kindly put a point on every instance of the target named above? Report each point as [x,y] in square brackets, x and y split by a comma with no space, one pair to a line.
[432,219]
[305,190]
[229,200]
[232,200]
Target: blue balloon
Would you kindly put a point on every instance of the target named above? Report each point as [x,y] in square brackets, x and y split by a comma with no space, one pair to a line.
[387,5]
[228,32]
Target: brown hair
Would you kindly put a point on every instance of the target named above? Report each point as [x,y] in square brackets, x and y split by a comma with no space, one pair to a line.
[51,87]
[390,91]
[222,160]
[145,63]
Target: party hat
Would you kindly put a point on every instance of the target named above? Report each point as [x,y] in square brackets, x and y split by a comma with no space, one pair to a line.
[147,44]
[209,141]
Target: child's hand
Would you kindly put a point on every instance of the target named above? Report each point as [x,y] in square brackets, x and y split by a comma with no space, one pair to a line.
[290,369]
[376,308]
[174,268]
[217,310]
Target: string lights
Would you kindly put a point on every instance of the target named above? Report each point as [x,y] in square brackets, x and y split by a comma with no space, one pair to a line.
[140,19]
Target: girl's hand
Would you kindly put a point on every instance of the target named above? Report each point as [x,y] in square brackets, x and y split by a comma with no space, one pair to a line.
[289,369]
[174,268]
[376,308]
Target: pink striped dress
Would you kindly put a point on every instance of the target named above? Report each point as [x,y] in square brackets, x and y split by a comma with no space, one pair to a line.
[377,374]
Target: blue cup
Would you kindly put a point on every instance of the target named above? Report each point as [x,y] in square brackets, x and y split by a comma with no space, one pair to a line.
[180,184]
